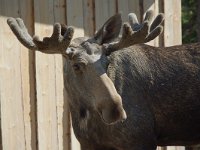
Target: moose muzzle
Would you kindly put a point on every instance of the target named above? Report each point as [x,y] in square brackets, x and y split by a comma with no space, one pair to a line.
[108,101]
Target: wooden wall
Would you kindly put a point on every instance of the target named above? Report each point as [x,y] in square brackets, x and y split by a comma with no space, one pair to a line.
[34,111]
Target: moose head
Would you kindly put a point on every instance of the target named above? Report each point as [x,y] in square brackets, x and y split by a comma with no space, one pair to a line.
[87,58]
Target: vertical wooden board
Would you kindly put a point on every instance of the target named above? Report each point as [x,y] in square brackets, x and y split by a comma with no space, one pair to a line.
[28,79]
[172,24]
[123,7]
[1,146]
[10,82]
[88,17]
[134,7]
[168,24]
[129,6]
[63,118]
[161,148]
[75,18]
[46,80]
[175,148]
[151,5]
[104,9]
[172,32]
[177,22]
[61,97]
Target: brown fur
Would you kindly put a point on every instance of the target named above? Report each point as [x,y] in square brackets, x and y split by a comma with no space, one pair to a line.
[159,88]
[160,93]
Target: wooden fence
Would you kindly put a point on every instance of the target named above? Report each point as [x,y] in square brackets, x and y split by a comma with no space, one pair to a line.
[34,110]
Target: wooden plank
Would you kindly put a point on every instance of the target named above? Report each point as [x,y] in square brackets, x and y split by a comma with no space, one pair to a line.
[63,118]
[10,82]
[134,7]
[168,24]
[123,7]
[89,18]
[46,80]
[172,31]
[28,79]
[171,148]
[177,22]
[1,146]
[161,148]
[128,6]
[75,18]
[172,25]
[151,5]
[175,148]
[104,9]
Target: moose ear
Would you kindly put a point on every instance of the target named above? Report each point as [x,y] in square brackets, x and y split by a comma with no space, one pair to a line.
[110,30]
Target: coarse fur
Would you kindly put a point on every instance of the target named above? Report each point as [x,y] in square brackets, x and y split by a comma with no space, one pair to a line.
[156,91]
[160,90]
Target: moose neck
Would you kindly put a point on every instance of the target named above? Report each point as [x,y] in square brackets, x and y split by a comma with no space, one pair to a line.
[129,66]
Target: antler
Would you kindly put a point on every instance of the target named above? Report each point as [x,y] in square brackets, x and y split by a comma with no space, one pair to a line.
[135,33]
[56,44]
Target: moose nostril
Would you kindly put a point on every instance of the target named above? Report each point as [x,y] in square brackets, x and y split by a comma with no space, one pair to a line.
[119,113]
[82,112]
[113,114]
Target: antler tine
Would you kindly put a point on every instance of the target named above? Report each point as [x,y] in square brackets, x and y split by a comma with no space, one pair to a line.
[135,33]
[56,44]
[157,21]
[20,31]
[133,21]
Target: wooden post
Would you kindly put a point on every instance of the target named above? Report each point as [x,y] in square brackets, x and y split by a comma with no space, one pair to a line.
[172,32]
[15,82]
[63,118]
[172,24]
[104,9]
[89,17]
[46,85]
[28,79]
[75,18]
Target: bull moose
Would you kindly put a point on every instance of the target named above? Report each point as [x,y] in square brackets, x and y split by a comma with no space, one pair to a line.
[125,95]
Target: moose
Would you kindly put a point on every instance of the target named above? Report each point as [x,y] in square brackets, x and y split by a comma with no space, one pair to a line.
[124,94]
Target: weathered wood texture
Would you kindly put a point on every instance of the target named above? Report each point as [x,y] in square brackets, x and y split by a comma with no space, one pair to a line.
[33,102]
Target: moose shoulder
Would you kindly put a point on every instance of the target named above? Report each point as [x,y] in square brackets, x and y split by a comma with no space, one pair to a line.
[149,95]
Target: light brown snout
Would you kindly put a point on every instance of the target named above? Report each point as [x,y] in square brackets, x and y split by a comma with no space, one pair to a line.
[113,112]
[109,102]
